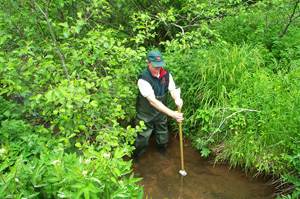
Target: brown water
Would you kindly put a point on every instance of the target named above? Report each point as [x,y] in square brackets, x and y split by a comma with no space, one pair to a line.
[161,178]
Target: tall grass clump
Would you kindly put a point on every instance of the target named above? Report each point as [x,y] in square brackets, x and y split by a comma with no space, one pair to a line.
[269,141]
[277,97]
[208,76]
[256,126]
[220,69]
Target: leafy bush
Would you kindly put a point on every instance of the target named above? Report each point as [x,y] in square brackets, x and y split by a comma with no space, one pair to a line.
[35,164]
[56,174]
[70,141]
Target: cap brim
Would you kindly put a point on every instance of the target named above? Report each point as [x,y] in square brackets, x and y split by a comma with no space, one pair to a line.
[158,63]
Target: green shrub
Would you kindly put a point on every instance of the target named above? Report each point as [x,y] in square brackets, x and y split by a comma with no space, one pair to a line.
[56,174]
[38,164]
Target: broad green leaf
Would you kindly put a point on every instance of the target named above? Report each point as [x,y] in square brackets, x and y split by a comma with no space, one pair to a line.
[65,25]
[94,103]
[113,179]
[3,187]
[34,195]
[6,113]
[86,99]
[117,171]
[77,185]
[86,192]
[78,145]
[3,166]
[77,29]
[82,127]
[48,95]
[66,33]
[72,135]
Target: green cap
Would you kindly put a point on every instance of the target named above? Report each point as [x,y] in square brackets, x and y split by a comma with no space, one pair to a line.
[156,58]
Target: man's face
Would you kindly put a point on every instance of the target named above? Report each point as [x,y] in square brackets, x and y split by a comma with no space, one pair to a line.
[154,69]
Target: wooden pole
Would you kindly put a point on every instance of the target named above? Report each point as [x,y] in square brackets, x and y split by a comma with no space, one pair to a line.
[181,144]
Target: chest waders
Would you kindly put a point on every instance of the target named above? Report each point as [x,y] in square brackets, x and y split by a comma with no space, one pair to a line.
[155,120]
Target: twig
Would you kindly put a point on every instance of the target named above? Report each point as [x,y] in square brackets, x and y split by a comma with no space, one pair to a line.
[179,27]
[291,137]
[223,120]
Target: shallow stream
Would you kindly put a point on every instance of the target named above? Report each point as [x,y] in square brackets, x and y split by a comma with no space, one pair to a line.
[161,178]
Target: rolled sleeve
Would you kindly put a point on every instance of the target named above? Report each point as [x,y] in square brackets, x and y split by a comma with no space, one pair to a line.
[171,83]
[145,88]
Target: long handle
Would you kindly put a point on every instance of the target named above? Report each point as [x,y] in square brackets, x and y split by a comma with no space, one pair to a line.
[180,139]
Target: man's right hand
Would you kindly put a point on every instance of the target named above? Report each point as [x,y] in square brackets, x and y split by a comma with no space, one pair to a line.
[178,116]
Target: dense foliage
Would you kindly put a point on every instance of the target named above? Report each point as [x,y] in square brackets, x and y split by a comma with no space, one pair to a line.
[68,73]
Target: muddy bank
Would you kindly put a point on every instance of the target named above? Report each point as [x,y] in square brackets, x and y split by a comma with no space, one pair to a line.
[161,178]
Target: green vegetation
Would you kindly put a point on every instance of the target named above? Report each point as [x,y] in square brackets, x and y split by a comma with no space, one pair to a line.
[68,88]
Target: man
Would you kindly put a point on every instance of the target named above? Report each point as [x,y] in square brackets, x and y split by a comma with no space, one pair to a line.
[154,84]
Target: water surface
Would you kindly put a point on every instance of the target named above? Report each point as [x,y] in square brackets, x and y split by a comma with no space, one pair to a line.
[161,178]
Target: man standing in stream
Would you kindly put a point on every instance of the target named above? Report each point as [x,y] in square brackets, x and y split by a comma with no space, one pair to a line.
[154,84]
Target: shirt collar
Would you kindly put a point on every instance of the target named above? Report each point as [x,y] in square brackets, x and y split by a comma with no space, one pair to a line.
[162,72]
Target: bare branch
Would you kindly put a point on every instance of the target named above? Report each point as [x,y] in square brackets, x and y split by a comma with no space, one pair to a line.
[296,17]
[182,30]
[54,39]
[136,5]
[291,19]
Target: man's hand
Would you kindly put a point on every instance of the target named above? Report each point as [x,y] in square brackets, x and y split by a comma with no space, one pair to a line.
[177,116]
[179,102]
